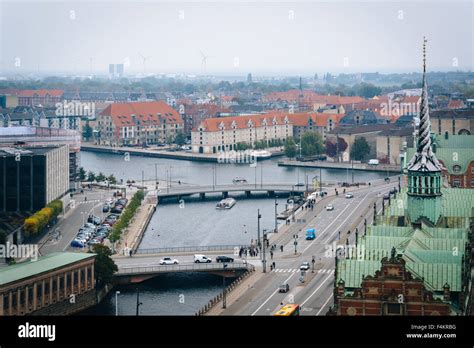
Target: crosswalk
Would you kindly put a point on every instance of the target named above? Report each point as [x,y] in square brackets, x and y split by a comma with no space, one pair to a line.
[294,270]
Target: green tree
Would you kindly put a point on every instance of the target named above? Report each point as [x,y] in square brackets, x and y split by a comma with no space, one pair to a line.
[112,179]
[290,148]
[367,90]
[180,139]
[87,132]
[104,266]
[360,149]
[91,176]
[311,144]
[243,146]
[82,174]
[100,177]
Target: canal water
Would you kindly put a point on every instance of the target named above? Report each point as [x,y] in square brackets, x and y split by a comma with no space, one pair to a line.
[195,223]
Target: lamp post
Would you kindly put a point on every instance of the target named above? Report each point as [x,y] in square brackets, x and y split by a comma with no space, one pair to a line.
[276,215]
[258,230]
[224,302]
[295,237]
[264,259]
[116,302]
[138,301]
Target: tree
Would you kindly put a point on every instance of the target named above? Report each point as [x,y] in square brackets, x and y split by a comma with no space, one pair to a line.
[335,148]
[243,146]
[90,176]
[112,179]
[87,132]
[360,149]
[368,90]
[104,266]
[82,174]
[180,139]
[311,144]
[100,177]
[290,148]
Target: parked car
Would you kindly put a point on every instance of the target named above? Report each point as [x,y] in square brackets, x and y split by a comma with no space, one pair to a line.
[77,243]
[168,261]
[285,287]
[349,195]
[95,241]
[202,259]
[393,191]
[224,259]
[300,184]
[117,209]
[386,196]
[329,207]
[304,266]
[106,208]
[239,180]
[94,220]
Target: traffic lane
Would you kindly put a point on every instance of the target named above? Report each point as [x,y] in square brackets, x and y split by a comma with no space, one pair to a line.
[155,260]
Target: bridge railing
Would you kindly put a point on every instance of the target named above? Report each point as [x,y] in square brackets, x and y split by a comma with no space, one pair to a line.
[226,247]
[182,268]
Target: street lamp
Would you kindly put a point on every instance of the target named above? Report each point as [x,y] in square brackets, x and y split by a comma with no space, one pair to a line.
[295,237]
[259,216]
[138,301]
[224,302]
[116,302]
[276,215]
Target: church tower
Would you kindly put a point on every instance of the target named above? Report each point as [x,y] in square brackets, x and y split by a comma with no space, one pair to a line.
[424,170]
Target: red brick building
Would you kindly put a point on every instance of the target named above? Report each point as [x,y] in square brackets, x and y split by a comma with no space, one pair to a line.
[43,97]
[391,291]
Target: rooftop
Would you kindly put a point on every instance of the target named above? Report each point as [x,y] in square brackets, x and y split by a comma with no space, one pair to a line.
[10,274]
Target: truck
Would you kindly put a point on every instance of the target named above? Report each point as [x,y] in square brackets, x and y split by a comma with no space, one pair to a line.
[373,162]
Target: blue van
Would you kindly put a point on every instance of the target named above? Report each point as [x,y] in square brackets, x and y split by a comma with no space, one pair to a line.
[310,234]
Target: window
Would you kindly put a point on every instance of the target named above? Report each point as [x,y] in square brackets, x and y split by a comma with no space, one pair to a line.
[472,183]
[457,182]
[393,309]
[456,168]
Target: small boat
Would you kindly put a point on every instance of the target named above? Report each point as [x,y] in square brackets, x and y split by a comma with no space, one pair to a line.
[226,203]
[261,154]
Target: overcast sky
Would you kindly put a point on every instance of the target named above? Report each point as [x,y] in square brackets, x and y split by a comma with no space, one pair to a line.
[270,37]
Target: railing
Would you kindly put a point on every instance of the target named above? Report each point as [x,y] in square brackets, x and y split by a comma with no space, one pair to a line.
[190,249]
[181,268]
[230,187]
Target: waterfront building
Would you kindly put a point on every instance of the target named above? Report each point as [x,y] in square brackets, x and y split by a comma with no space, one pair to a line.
[391,144]
[214,135]
[321,123]
[55,284]
[427,231]
[138,123]
[32,177]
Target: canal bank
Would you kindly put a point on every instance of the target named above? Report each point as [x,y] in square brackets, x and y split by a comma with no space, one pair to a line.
[384,168]
[175,155]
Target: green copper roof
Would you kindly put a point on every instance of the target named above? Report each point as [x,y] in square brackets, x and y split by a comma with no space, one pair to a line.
[455,141]
[9,274]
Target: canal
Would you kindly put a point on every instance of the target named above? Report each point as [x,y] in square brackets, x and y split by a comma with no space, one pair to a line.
[194,222]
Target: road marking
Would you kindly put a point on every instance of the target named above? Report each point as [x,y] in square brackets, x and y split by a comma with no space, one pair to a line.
[319,287]
[325,303]
[334,220]
[269,297]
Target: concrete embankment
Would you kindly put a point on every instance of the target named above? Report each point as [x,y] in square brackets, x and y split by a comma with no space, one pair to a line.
[177,155]
[341,165]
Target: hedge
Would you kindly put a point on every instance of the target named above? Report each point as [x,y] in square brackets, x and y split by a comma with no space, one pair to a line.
[39,220]
[127,215]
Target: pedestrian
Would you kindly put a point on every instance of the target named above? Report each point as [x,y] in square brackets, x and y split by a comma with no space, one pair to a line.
[271,255]
[281,248]
[273,264]
[85,198]
[179,182]
[271,267]
[339,235]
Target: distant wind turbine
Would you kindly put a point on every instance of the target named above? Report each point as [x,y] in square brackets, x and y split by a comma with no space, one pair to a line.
[144,59]
[204,61]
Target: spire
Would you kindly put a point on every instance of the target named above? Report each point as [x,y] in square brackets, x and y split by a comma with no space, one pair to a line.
[424,158]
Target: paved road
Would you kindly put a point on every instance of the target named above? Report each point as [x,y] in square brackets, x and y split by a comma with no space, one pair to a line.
[65,231]
[314,294]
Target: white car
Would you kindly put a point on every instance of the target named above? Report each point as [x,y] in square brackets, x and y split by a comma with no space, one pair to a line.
[349,195]
[202,259]
[329,207]
[168,261]
[304,266]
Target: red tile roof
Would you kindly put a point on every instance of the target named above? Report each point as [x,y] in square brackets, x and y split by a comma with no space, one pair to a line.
[455,104]
[151,113]
[319,119]
[41,92]
[241,122]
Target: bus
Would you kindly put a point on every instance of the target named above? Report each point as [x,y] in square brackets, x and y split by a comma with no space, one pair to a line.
[288,310]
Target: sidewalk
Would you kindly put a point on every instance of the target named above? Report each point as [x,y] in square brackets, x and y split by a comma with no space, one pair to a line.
[131,236]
